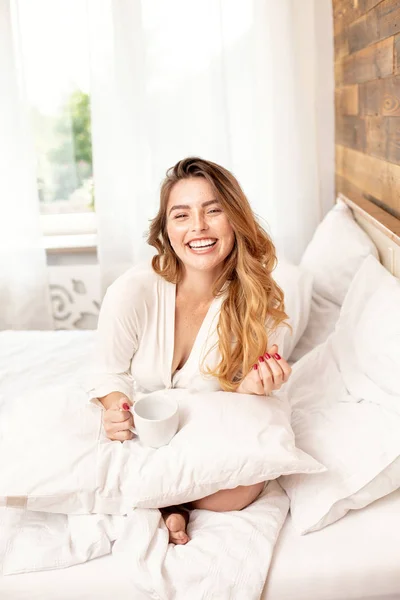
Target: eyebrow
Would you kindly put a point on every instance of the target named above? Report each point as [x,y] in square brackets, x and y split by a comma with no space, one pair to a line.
[187,207]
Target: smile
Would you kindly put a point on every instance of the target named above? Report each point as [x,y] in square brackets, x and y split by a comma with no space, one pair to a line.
[202,244]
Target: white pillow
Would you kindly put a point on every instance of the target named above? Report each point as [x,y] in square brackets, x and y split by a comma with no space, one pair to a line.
[321,323]
[296,284]
[54,457]
[346,405]
[336,252]
[333,257]
[371,319]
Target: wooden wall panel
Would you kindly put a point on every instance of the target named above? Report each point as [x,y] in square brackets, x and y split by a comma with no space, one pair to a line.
[367,100]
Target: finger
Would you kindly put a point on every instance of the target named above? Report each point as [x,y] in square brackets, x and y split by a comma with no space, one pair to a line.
[275,369]
[124,403]
[265,376]
[121,436]
[120,425]
[256,383]
[286,368]
[117,416]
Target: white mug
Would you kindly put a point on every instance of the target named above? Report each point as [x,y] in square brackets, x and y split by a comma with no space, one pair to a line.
[156,419]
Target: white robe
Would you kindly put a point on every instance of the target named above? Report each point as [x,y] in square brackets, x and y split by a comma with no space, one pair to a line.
[135,339]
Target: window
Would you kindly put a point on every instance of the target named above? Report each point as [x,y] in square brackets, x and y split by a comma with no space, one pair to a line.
[55,67]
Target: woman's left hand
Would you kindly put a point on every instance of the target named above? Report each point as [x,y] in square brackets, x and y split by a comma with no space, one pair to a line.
[267,375]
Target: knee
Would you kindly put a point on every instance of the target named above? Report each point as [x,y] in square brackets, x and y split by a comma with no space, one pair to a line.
[227,500]
[247,495]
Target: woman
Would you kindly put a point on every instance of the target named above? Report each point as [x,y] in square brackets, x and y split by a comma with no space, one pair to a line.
[199,318]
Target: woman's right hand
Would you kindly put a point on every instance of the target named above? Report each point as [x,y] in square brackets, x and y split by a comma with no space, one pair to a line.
[117,420]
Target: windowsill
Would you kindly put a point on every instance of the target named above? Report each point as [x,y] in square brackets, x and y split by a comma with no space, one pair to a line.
[68,224]
[69,233]
[55,244]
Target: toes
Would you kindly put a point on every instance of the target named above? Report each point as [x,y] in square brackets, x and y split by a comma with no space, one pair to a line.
[178,537]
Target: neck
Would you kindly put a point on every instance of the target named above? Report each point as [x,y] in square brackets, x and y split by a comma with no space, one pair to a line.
[198,285]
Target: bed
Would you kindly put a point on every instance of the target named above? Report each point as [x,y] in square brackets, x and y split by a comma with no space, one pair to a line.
[355,558]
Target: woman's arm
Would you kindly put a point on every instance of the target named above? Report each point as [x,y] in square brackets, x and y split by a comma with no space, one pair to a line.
[116,344]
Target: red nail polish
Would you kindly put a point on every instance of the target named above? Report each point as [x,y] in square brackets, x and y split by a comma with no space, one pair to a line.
[268,356]
[276,355]
[255,367]
[261,358]
[126,406]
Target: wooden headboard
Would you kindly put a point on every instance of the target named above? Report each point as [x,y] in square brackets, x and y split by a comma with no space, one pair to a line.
[381,227]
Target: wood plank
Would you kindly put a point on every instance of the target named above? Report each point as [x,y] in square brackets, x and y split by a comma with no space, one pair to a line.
[366,5]
[383,138]
[351,132]
[377,24]
[388,16]
[397,54]
[341,45]
[384,221]
[379,179]
[373,62]
[346,100]
[380,97]
[363,32]
[344,13]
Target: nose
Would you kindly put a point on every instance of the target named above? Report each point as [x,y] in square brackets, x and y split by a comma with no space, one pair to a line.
[199,222]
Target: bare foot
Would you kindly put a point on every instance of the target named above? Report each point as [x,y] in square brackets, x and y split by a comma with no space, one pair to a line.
[177,528]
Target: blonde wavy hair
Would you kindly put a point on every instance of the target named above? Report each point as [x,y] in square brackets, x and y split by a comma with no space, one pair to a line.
[254,302]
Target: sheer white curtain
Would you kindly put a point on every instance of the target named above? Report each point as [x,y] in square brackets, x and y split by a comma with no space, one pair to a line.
[233,81]
[24,295]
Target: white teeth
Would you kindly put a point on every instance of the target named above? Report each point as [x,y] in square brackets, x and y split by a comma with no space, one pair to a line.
[202,243]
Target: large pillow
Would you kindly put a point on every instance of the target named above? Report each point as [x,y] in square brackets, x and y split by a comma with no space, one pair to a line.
[296,284]
[333,257]
[54,456]
[346,405]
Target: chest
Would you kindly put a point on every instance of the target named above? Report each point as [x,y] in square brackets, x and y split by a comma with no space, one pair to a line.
[188,321]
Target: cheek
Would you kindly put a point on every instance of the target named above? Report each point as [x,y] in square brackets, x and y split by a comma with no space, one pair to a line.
[228,235]
[175,234]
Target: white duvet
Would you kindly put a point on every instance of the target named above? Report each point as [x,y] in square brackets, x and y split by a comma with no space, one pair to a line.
[228,555]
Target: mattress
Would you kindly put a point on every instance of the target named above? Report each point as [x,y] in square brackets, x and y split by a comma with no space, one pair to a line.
[357,558]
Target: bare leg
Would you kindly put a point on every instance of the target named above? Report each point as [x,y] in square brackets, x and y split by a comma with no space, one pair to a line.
[225,500]
[238,498]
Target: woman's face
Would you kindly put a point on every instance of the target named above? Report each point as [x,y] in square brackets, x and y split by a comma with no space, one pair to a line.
[197,227]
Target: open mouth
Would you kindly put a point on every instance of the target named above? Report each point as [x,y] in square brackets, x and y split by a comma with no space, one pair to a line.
[202,244]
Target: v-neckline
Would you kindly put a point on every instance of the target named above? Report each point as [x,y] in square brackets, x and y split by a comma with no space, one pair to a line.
[197,339]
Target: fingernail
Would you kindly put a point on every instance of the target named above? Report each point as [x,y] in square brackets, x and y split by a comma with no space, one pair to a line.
[268,356]
[277,356]
[255,367]
[261,358]
[126,406]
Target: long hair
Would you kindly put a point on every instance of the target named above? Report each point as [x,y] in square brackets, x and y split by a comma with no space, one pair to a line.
[254,303]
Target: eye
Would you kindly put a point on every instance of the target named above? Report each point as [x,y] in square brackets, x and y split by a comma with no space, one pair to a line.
[214,210]
[180,216]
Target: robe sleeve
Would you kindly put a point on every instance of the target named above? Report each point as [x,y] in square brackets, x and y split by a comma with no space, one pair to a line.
[115,345]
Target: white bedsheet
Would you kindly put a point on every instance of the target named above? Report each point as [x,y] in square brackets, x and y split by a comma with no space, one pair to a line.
[357,558]
[228,555]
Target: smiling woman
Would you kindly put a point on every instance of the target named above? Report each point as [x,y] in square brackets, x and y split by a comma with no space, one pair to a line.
[199,318]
